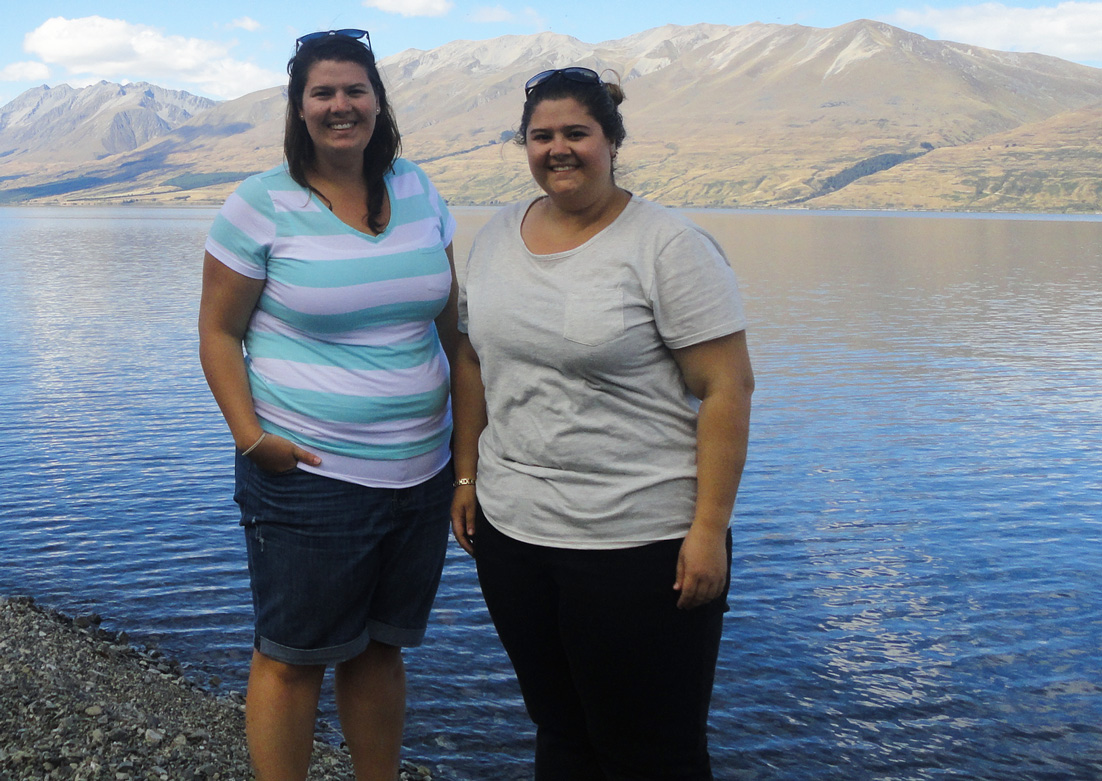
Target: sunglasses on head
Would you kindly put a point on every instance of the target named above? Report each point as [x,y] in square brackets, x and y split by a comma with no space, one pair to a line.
[349,33]
[580,75]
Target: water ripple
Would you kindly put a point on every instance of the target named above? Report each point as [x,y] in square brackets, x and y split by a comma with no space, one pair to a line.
[916,586]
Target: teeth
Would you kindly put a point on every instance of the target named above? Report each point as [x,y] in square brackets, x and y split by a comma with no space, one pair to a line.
[342,126]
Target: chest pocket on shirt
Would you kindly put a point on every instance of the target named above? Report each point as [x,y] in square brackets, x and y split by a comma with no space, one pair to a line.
[594,317]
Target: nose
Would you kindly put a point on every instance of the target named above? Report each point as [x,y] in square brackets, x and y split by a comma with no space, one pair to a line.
[559,145]
[340,101]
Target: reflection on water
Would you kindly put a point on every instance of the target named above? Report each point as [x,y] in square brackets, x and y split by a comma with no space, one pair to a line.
[916,587]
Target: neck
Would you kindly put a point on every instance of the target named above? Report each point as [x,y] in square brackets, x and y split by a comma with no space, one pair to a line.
[593,211]
[341,170]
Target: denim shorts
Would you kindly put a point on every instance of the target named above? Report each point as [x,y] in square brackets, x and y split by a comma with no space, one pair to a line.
[334,565]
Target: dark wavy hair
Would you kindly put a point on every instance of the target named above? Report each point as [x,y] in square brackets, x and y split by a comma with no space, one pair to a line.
[385,144]
[601,100]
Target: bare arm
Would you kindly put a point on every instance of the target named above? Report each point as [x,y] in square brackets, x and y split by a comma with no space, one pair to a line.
[447,322]
[469,412]
[717,372]
[227,304]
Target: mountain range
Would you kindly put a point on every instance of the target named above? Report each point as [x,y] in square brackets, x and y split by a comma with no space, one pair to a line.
[861,116]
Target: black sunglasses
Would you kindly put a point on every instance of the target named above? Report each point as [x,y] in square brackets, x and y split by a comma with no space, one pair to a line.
[349,33]
[580,75]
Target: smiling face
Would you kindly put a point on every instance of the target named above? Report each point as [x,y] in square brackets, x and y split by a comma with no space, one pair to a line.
[339,107]
[568,154]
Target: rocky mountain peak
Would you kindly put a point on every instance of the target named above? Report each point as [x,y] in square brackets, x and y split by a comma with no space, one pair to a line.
[759,115]
[101,119]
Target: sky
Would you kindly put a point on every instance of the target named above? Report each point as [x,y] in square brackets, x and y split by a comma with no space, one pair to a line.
[223,49]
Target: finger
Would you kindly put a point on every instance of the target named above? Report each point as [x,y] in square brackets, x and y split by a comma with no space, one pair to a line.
[470,528]
[701,593]
[679,574]
[465,543]
[686,584]
[462,530]
[689,594]
[305,457]
[464,517]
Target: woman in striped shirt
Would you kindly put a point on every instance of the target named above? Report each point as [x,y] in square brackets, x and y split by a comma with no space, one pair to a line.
[327,317]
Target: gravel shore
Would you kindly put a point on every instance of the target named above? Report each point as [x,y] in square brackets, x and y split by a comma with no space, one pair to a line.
[78,702]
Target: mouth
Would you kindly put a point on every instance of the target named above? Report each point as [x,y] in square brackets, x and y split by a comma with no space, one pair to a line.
[341,125]
[560,168]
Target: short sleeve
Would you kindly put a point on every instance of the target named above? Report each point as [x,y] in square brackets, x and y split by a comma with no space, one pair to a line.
[696,295]
[244,230]
[411,184]
[447,221]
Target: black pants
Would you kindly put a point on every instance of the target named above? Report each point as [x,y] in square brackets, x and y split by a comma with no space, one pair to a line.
[616,678]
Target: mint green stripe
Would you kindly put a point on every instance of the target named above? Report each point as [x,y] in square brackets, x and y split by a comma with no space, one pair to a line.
[361,319]
[404,355]
[338,408]
[390,452]
[358,271]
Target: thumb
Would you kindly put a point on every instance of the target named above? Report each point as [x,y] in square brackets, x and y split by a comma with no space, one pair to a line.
[679,576]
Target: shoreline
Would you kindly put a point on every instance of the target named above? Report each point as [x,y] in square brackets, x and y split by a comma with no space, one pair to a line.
[80,702]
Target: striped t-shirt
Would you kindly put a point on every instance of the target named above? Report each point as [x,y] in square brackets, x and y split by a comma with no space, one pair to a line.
[342,352]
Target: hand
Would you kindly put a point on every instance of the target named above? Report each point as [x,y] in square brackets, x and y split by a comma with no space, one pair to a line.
[701,567]
[276,454]
[464,504]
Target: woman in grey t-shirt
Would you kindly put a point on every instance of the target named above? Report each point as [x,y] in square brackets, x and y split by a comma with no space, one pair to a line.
[602,403]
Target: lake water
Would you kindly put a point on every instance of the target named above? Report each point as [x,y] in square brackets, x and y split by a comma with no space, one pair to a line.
[917,584]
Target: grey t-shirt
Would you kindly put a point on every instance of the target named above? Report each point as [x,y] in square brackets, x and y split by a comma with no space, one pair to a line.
[591,440]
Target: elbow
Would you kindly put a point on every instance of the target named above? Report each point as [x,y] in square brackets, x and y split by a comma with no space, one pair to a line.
[747,384]
[207,334]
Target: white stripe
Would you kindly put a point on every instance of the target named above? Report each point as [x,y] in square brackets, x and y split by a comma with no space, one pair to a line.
[293,201]
[232,261]
[334,246]
[411,237]
[420,235]
[353,298]
[393,473]
[407,185]
[381,336]
[240,214]
[353,382]
[387,432]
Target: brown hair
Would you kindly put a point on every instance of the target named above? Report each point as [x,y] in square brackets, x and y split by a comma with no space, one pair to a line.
[602,100]
[385,144]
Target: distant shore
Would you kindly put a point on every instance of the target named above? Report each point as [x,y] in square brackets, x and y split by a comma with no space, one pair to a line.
[82,703]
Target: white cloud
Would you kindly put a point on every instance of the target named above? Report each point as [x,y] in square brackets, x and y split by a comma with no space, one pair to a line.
[491,14]
[498,14]
[95,47]
[245,23]
[536,19]
[25,71]
[411,7]
[1072,30]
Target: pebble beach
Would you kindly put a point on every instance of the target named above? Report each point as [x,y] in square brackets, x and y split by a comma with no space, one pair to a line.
[78,702]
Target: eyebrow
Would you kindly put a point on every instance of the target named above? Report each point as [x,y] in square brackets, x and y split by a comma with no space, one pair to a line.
[324,85]
[581,126]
